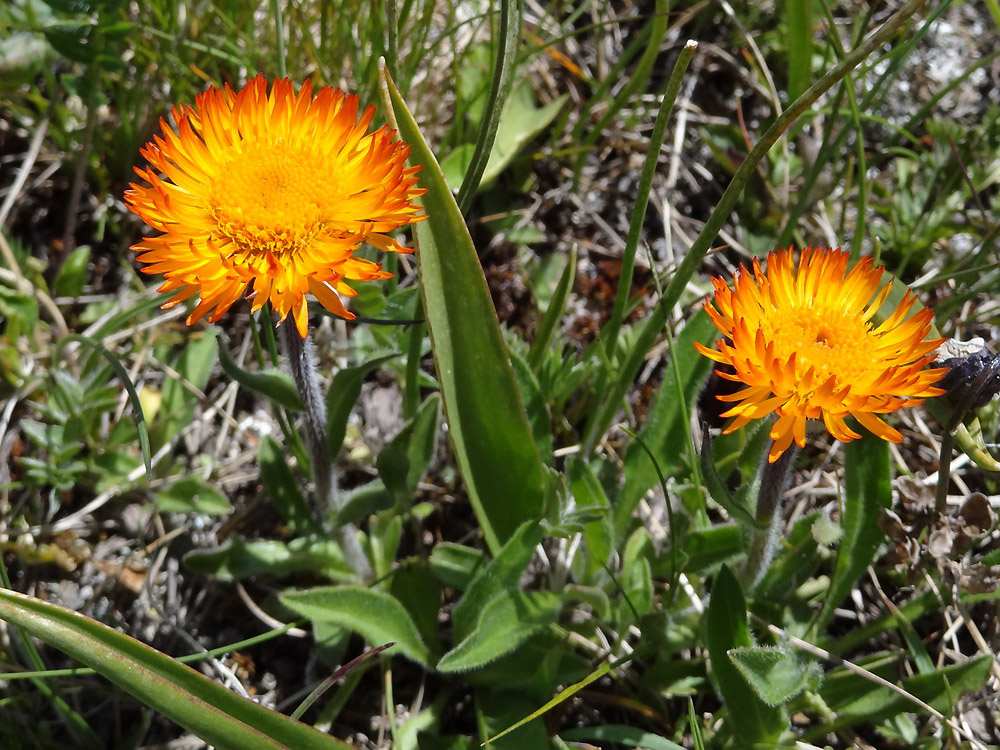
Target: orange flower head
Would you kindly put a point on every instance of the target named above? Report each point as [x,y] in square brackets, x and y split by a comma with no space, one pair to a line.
[272,190]
[804,343]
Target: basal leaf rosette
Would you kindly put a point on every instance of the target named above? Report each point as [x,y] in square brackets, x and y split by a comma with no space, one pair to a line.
[803,342]
[271,191]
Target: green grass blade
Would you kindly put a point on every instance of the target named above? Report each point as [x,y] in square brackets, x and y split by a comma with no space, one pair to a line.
[214,714]
[508,35]
[554,313]
[492,439]
[561,696]
[649,166]
[798,19]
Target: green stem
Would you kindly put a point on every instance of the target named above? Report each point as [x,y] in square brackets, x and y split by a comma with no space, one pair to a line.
[764,538]
[507,38]
[302,361]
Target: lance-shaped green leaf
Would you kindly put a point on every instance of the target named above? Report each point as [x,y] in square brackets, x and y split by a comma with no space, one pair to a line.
[216,715]
[340,399]
[507,621]
[489,430]
[501,573]
[776,675]
[272,383]
[376,615]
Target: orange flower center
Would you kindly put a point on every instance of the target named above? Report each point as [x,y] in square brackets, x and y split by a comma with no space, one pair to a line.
[827,340]
[270,199]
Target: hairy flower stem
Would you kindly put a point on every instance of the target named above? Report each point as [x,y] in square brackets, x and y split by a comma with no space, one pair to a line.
[302,360]
[764,537]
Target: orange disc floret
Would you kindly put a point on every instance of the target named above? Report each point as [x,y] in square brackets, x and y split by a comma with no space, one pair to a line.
[805,344]
[272,190]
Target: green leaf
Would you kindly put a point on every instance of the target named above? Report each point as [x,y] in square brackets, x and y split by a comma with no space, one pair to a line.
[75,41]
[534,405]
[507,621]
[340,399]
[283,489]
[419,591]
[776,675]
[455,565]
[363,501]
[796,562]
[271,383]
[637,575]
[239,558]
[500,574]
[416,442]
[716,487]
[489,429]
[867,490]
[192,495]
[20,312]
[751,720]
[216,715]
[72,273]
[393,465]
[706,549]
[376,615]
[622,735]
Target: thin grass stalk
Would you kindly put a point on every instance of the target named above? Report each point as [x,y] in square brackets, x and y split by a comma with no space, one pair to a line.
[330,681]
[614,324]
[507,37]
[692,260]
[279,37]
[392,32]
